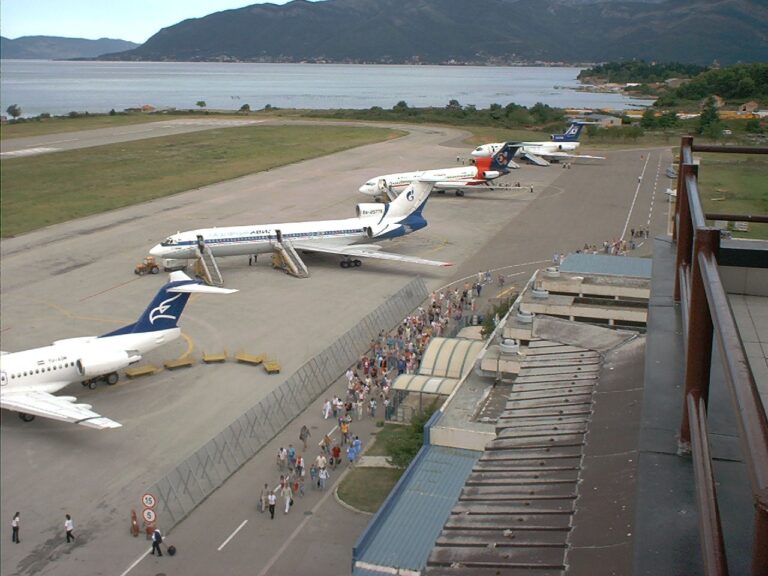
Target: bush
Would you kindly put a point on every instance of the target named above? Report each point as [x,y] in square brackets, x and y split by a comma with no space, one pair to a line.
[402,448]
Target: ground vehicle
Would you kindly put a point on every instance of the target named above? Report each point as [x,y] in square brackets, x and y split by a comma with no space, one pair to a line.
[147,266]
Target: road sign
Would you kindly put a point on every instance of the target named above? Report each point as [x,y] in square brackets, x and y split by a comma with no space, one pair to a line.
[148,500]
[149,515]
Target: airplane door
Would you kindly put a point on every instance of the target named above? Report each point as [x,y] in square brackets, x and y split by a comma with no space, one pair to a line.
[279,235]
[3,378]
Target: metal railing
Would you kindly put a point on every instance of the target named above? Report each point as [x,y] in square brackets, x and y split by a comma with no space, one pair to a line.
[190,482]
[707,315]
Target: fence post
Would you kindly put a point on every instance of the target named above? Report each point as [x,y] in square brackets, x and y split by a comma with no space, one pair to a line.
[698,355]
[685,223]
[686,143]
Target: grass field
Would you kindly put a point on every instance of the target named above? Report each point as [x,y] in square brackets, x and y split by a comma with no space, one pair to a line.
[736,184]
[367,488]
[61,124]
[42,190]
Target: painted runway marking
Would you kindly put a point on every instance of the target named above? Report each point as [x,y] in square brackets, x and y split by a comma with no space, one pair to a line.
[243,523]
[634,199]
[27,152]
[136,562]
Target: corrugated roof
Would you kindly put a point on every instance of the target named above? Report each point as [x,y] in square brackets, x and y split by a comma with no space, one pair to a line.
[450,357]
[406,530]
[607,265]
[425,384]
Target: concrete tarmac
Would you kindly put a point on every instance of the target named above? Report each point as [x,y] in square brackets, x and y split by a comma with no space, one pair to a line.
[76,279]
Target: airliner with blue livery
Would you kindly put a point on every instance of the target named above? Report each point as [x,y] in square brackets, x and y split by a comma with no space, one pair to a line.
[559,147]
[29,378]
[348,238]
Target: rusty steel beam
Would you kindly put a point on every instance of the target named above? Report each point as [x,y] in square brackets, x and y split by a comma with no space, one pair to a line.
[728,149]
[685,151]
[753,424]
[737,217]
[694,199]
[710,528]
[685,225]
[698,350]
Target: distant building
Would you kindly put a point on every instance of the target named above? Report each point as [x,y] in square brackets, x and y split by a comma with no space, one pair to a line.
[719,102]
[605,120]
[749,107]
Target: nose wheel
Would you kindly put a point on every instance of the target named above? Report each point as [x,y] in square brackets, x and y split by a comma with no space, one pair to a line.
[350,263]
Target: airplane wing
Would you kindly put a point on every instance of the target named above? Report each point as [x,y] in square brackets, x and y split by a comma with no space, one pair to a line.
[366,251]
[566,156]
[534,158]
[61,408]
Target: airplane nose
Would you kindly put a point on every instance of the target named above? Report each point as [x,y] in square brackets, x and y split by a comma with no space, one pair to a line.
[364,189]
[157,251]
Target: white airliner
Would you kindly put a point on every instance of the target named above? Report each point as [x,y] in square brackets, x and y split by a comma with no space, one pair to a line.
[30,377]
[480,173]
[542,153]
[345,238]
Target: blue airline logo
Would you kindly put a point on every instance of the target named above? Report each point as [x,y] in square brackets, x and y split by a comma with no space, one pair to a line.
[158,311]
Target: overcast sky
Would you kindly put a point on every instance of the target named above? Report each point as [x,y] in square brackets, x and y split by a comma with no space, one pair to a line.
[134,20]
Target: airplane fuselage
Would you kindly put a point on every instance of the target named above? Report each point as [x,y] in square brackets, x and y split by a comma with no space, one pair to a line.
[466,175]
[53,367]
[246,240]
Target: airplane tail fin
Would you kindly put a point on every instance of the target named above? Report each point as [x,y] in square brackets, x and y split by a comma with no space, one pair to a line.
[166,307]
[571,134]
[411,200]
[503,157]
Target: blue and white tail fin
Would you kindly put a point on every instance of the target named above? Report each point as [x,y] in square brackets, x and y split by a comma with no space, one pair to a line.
[500,161]
[411,200]
[164,311]
[570,135]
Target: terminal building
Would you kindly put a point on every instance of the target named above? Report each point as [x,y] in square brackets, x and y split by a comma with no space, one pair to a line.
[593,432]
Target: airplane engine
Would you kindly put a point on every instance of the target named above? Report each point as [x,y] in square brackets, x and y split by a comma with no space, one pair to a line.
[386,231]
[100,364]
[368,210]
[491,174]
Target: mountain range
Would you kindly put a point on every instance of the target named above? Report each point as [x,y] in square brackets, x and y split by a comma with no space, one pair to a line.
[463,31]
[56,48]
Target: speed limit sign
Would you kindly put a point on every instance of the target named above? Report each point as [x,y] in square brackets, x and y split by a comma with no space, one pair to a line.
[149,515]
[148,500]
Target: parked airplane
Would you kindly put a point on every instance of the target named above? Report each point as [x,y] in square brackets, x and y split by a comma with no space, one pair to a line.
[342,237]
[30,377]
[480,173]
[543,152]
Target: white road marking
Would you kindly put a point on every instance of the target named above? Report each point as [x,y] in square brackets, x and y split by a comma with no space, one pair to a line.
[27,152]
[60,141]
[243,523]
[634,199]
[136,562]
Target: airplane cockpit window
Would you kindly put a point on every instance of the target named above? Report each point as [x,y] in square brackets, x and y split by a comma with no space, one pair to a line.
[170,241]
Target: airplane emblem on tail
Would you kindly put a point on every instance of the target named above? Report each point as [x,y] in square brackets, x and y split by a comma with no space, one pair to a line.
[159,311]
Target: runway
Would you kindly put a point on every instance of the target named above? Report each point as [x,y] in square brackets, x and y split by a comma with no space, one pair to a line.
[76,279]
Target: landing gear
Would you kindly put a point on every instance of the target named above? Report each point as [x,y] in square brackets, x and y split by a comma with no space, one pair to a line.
[459,192]
[26,417]
[350,263]
[112,378]
[91,384]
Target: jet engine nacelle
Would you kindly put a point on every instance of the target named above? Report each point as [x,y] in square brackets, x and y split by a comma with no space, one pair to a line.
[491,174]
[100,364]
[368,210]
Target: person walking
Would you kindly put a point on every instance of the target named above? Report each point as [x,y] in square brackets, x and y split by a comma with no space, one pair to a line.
[304,436]
[323,476]
[68,527]
[15,525]
[285,492]
[272,501]
[157,539]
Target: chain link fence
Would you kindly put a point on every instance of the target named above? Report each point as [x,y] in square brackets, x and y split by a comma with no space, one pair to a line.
[186,486]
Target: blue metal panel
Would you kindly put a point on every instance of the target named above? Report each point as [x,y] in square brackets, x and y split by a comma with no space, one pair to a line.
[402,534]
[607,265]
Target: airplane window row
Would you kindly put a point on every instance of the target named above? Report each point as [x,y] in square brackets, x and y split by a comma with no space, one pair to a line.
[286,236]
[39,370]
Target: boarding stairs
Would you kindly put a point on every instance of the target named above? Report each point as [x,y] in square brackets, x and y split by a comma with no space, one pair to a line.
[206,266]
[289,260]
[533,159]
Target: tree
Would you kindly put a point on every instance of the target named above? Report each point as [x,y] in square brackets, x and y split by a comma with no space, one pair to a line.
[649,119]
[709,121]
[201,104]
[753,126]
[245,108]
[14,110]
[401,106]
[667,120]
